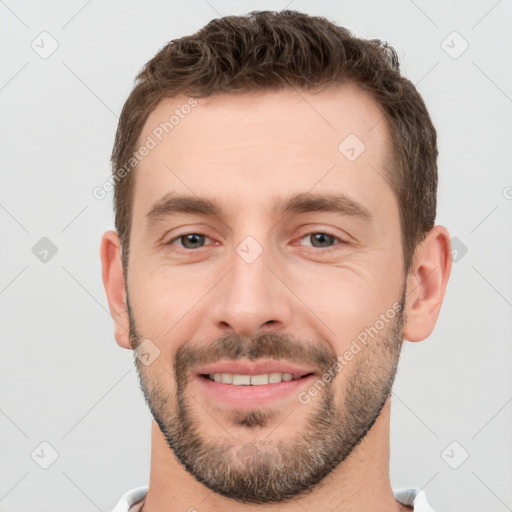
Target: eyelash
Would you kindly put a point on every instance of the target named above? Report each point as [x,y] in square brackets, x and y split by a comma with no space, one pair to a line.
[324,249]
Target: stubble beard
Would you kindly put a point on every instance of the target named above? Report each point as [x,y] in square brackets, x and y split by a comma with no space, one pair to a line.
[262,470]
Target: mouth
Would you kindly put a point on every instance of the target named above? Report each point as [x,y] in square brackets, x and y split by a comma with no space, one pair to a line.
[262,379]
[246,384]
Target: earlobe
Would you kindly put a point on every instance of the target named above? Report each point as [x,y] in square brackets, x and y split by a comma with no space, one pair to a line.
[426,284]
[114,283]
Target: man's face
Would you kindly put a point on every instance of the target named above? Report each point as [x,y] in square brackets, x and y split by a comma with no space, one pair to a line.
[241,300]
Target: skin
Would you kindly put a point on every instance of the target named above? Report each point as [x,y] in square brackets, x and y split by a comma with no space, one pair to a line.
[240,150]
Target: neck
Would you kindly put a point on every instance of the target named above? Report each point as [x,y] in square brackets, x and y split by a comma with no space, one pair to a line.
[361,483]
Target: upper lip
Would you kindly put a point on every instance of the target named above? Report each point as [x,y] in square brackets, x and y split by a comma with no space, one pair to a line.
[245,367]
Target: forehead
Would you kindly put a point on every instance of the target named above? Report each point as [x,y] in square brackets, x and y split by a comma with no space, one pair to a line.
[245,147]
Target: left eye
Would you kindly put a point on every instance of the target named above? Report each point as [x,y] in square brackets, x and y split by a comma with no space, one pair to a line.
[320,239]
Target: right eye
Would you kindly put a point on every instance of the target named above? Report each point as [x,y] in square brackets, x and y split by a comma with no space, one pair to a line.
[189,241]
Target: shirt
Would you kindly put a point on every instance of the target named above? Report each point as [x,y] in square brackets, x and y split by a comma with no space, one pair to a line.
[132,500]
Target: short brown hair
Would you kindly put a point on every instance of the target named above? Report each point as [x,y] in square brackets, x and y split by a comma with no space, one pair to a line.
[266,50]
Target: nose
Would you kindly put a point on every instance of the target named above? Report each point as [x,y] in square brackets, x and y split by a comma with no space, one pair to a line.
[251,298]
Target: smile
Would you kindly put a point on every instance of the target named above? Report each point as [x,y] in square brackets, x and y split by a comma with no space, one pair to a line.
[252,380]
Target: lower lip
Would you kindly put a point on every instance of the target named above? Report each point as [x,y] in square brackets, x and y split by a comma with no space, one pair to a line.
[247,397]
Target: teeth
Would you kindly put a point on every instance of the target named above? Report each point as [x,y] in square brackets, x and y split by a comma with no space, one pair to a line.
[241,380]
[258,380]
[227,378]
[274,377]
[252,380]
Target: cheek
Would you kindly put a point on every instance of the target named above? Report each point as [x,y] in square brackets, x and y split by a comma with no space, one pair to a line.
[164,298]
[159,384]
[348,297]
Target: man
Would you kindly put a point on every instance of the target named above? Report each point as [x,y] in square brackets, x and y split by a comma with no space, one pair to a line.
[275,198]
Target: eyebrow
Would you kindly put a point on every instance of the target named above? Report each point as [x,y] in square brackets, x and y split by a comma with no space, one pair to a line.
[303,202]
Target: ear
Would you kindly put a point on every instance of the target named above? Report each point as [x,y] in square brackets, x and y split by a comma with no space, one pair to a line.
[114,283]
[426,284]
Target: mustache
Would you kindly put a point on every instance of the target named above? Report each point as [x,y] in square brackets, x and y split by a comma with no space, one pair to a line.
[265,346]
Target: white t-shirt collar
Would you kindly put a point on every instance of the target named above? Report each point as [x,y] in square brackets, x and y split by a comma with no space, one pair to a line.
[132,500]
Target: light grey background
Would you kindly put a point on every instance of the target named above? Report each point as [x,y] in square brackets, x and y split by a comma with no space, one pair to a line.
[63,379]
